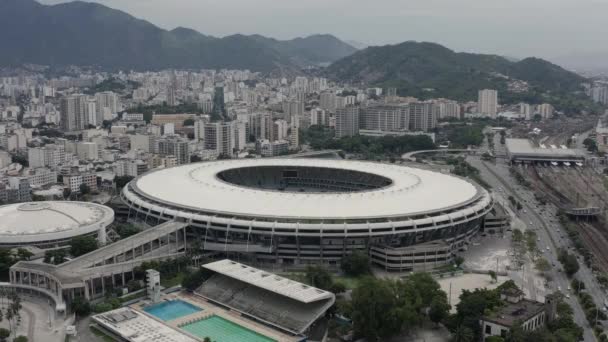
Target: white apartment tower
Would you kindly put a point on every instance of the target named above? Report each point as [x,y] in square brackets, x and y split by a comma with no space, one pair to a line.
[487,102]
[73,112]
[347,122]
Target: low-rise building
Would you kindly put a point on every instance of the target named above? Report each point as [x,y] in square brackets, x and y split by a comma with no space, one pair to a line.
[530,315]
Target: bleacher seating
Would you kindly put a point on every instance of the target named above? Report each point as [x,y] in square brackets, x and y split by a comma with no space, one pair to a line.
[265,305]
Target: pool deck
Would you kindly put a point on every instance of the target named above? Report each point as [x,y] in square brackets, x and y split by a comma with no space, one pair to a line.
[209,309]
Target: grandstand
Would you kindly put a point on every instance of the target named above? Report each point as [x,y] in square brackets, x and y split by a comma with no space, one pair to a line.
[282,303]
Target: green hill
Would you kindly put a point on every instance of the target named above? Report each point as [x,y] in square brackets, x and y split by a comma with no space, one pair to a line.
[83,33]
[428,70]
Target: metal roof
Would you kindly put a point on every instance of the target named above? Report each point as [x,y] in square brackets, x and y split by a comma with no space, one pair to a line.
[41,221]
[525,147]
[269,281]
[413,191]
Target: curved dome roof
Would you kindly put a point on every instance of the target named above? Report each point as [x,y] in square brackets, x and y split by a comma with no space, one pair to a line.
[37,221]
[411,191]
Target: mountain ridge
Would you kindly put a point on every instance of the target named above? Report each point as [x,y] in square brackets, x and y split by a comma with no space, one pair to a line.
[84,33]
[417,67]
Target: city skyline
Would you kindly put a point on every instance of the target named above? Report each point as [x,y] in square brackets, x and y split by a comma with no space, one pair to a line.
[474,25]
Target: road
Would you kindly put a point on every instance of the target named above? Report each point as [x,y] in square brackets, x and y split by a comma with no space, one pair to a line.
[550,235]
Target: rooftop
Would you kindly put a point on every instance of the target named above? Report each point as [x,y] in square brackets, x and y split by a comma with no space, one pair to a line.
[23,222]
[269,281]
[411,191]
[515,312]
[525,147]
[136,327]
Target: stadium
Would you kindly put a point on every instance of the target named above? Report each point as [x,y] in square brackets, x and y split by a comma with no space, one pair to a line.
[295,212]
[52,224]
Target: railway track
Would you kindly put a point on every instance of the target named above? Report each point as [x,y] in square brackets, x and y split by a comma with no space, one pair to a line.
[596,242]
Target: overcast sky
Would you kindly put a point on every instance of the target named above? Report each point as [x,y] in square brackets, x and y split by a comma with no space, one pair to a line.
[518,28]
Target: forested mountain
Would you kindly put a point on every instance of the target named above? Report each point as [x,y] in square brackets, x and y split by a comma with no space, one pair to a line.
[83,33]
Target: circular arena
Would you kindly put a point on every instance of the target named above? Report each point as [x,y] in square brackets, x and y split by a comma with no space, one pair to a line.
[295,212]
[52,224]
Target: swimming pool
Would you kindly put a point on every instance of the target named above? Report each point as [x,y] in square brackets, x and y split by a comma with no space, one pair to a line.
[220,329]
[172,309]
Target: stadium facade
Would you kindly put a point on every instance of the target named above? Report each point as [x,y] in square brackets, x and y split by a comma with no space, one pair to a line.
[295,212]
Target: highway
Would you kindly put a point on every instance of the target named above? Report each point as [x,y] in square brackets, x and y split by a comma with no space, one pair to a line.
[543,221]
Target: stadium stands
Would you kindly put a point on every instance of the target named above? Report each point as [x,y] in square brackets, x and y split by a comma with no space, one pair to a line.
[283,303]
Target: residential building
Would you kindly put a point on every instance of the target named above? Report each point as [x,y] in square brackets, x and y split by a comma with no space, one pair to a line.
[75,180]
[319,117]
[328,101]
[384,118]
[42,176]
[347,122]
[220,137]
[173,145]
[267,148]
[545,110]
[422,117]
[528,314]
[73,112]
[50,155]
[487,103]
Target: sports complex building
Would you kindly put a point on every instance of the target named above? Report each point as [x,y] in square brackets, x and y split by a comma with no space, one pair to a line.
[52,224]
[294,212]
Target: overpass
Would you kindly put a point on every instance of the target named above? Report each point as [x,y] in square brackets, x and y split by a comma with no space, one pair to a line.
[92,274]
[333,154]
[411,156]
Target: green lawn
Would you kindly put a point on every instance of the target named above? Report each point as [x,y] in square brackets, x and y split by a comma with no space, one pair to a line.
[349,282]
[170,282]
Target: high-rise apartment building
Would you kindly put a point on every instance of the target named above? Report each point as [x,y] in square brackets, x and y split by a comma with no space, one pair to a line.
[328,101]
[545,110]
[107,103]
[384,118]
[487,102]
[347,122]
[73,112]
[422,116]
[220,137]
[173,145]
[319,117]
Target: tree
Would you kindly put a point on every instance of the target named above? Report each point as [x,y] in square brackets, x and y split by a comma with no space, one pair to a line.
[337,287]
[494,339]
[84,189]
[80,306]
[542,265]
[375,316]
[4,334]
[319,277]
[463,334]
[81,245]
[569,262]
[458,260]
[24,254]
[122,181]
[590,144]
[439,309]
[193,280]
[493,276]
[189,122]
[20,339]
[355,264]
[126,230]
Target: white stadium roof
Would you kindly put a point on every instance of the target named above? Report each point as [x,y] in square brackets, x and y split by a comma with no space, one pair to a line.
[413,191]
[269,281]
[53,220]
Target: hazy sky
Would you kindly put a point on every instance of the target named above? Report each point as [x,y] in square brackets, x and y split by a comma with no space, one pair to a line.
[519,28]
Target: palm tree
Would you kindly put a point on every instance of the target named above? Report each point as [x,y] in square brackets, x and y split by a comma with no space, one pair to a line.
[463,334]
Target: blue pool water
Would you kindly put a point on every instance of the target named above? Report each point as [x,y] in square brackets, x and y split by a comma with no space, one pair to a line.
[172,309]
